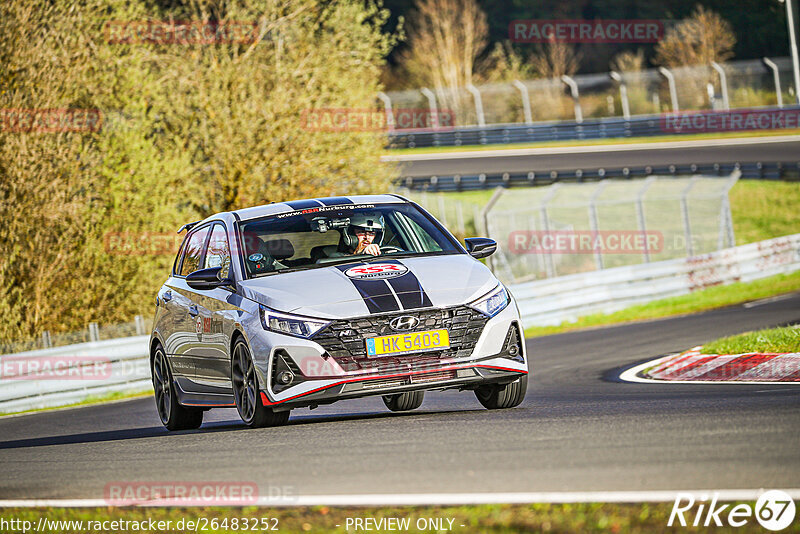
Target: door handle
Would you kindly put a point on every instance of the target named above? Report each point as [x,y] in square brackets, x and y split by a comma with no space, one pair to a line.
[193,311]
[167,296]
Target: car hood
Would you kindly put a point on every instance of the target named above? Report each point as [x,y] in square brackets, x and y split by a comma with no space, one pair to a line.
[330,293]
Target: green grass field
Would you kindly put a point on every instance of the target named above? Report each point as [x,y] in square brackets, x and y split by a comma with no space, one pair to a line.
[498,519]
[783,339]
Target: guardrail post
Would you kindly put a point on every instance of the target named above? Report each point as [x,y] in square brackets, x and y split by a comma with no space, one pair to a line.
[594,224]
[550,267]
[478,104]
[387,104]
[640,214]
[526,101]
[47,342]
[673,92]
[775,76]
[94,332]
[623,93]
[723,81]
[139,320]
[484,216]
[432,107]
[573,87]
[687,229]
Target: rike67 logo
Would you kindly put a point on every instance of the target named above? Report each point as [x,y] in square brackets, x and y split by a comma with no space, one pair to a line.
[774,510]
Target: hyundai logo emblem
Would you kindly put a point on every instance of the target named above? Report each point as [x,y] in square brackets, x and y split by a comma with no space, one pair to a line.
[404,322]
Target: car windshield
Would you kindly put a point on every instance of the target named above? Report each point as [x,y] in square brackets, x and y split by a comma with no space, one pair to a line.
[316,237]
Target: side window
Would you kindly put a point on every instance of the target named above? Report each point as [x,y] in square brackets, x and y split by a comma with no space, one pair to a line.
[178,258]
[218,253]
[194,249]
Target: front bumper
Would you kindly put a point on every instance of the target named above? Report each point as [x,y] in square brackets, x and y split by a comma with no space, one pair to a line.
[331,368]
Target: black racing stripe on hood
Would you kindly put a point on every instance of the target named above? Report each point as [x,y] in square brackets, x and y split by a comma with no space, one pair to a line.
[375,293]
[409,290]
[303,204]
[335,201]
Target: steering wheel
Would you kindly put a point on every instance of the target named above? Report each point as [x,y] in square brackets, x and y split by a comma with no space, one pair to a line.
[390,248]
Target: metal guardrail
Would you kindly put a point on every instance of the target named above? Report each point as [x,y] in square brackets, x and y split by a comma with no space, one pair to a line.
[555,300]
[471,182]
[606,128]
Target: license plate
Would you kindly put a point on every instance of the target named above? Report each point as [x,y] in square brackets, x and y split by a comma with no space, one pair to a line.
[406,343]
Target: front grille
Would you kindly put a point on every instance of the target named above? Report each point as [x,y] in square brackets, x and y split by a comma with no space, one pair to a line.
[345,340]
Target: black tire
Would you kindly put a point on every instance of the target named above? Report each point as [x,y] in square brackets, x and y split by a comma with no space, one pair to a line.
[494,397]
[410,400]
[246,392]
[173,415]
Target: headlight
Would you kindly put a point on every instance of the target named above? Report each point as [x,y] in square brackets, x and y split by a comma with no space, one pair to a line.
[493,302]
[293,325]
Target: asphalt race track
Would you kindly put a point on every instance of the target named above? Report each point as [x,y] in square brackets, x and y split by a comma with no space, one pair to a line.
[578,430]
[551,159]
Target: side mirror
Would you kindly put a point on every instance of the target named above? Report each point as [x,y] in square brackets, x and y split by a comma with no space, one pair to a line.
[480,247]
[206,278]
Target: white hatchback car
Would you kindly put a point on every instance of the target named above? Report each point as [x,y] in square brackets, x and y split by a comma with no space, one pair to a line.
[308,302]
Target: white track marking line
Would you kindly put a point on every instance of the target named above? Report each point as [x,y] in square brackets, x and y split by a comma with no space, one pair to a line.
[441,499]
[631,376]
[768,300]
[588,149]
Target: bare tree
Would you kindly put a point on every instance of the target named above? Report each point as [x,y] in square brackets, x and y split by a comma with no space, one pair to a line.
[554,59]
[628,61]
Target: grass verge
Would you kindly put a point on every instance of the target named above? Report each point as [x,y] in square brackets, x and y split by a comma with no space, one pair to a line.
[782,339]
[500,519]
[588,142]
[702,300]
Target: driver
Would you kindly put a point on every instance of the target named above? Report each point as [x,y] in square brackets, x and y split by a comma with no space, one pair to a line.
[364,234]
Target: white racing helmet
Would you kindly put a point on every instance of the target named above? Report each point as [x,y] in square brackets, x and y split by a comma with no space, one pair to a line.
[366,221]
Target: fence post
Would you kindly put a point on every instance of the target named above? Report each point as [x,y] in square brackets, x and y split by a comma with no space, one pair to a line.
[775,76]
[432,107]
[726,219]
[387,104]
[687,229]
[478,104]
[526,101]
[498,192]
[550,267]
[460,218]
[673,92]
[623,93]
[573,87]
[640,214]
[723,81]
[442,210]
[139,325]
[594,223]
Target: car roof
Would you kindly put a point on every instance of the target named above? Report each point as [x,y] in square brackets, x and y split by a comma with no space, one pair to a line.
[309,203]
